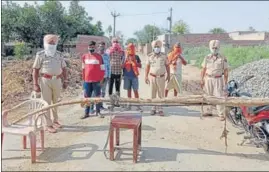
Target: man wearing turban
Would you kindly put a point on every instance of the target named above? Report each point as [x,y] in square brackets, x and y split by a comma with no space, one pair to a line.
[214,66]
[51,66]
[175,60]
[156,68]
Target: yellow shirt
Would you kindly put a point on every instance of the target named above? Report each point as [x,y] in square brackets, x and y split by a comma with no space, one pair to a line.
[49,65]
[215,65]
[157,63]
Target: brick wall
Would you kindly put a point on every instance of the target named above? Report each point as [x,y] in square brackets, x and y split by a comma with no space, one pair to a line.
[83,41]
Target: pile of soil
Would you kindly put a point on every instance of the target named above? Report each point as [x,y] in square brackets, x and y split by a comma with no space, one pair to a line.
[17,82]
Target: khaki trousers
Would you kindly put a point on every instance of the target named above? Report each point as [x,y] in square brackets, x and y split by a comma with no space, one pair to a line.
[157,85]
[50,92]
[214,87]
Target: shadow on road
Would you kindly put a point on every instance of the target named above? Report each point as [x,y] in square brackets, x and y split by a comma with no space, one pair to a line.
[147,155]
[69,128]
[62,154]
[155,154]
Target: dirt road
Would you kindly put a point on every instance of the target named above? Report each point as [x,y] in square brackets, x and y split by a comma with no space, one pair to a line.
[178,141]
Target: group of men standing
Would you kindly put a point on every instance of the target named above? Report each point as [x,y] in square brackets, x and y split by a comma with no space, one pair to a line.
[103,67]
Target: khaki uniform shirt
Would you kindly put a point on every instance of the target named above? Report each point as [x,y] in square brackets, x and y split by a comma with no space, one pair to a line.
[157,63]
[49,65]
[215,66]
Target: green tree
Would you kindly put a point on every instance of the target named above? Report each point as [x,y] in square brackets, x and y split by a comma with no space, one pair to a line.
[148,34]
[181,27]
[31,22]
[98,29]
[217,30]
[21,49]
[9,14]
[109,30]
[131,40]
[27,27]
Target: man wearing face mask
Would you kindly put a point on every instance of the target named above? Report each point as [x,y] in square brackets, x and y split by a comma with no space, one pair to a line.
[93,72]
[116,57]
[51,66]
[106,61]
[156,66]
[214,66]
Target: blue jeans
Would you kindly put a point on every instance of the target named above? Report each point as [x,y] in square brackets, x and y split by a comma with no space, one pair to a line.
[92,89]
[103,88]
[130,83]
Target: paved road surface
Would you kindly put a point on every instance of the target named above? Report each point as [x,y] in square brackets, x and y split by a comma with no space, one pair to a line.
[178,141]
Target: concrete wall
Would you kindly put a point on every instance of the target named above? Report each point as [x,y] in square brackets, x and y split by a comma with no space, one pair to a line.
[247,36]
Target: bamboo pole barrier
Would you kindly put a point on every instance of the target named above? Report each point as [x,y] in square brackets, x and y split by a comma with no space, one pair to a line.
[187,100]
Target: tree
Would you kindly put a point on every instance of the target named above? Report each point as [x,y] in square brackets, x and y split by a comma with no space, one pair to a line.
[9,14]
[147,34]
[131,40]
[109,30]
[181,27]
[24,26]
[217,30]
[251,29]
[30,23]
[98,29]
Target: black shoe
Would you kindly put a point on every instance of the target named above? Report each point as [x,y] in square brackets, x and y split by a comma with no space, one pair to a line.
[84,116]
[102,108]
[99,115]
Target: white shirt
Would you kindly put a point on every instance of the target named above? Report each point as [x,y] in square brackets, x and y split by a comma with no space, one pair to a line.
[178,69]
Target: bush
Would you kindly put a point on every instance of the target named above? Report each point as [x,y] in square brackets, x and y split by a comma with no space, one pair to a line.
[237,56]
[21,49]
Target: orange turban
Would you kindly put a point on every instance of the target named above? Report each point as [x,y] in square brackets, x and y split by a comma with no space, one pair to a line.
[131,49]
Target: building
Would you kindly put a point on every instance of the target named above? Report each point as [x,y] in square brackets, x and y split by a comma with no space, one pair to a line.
[82,42]
[238,38]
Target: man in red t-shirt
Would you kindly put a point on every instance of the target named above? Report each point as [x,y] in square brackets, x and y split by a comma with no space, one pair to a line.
[92,73]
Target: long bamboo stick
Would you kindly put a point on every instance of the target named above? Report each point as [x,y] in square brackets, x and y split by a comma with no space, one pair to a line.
[187,100]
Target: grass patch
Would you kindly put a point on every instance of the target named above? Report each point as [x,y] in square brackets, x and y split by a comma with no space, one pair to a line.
[237,56]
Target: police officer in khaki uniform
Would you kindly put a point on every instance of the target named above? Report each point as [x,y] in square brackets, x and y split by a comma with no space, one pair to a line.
[214,66]
[156,67]
[51,67]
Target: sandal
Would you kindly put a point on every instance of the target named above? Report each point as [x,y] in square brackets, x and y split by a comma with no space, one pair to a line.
[57,125]
[222,118]
[51,129]
[161,113]
[207,114]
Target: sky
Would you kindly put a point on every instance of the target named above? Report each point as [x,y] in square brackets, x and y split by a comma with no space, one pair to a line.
[201,16]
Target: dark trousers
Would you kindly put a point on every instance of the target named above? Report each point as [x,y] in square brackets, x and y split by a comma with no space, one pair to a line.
[92,89]
[114,79]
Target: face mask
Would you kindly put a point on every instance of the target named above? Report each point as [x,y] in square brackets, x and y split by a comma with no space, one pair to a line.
[91,50]
[50,50]
[102,49]
[115,44]
[157,50]
[214,51]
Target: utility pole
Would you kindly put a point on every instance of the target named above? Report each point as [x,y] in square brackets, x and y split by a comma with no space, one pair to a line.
[153,33]
[114,15]
[170,27]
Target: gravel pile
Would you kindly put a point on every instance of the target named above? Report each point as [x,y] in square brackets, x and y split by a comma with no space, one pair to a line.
[258,71]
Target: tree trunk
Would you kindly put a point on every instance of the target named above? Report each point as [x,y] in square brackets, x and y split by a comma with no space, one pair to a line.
[188,100]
